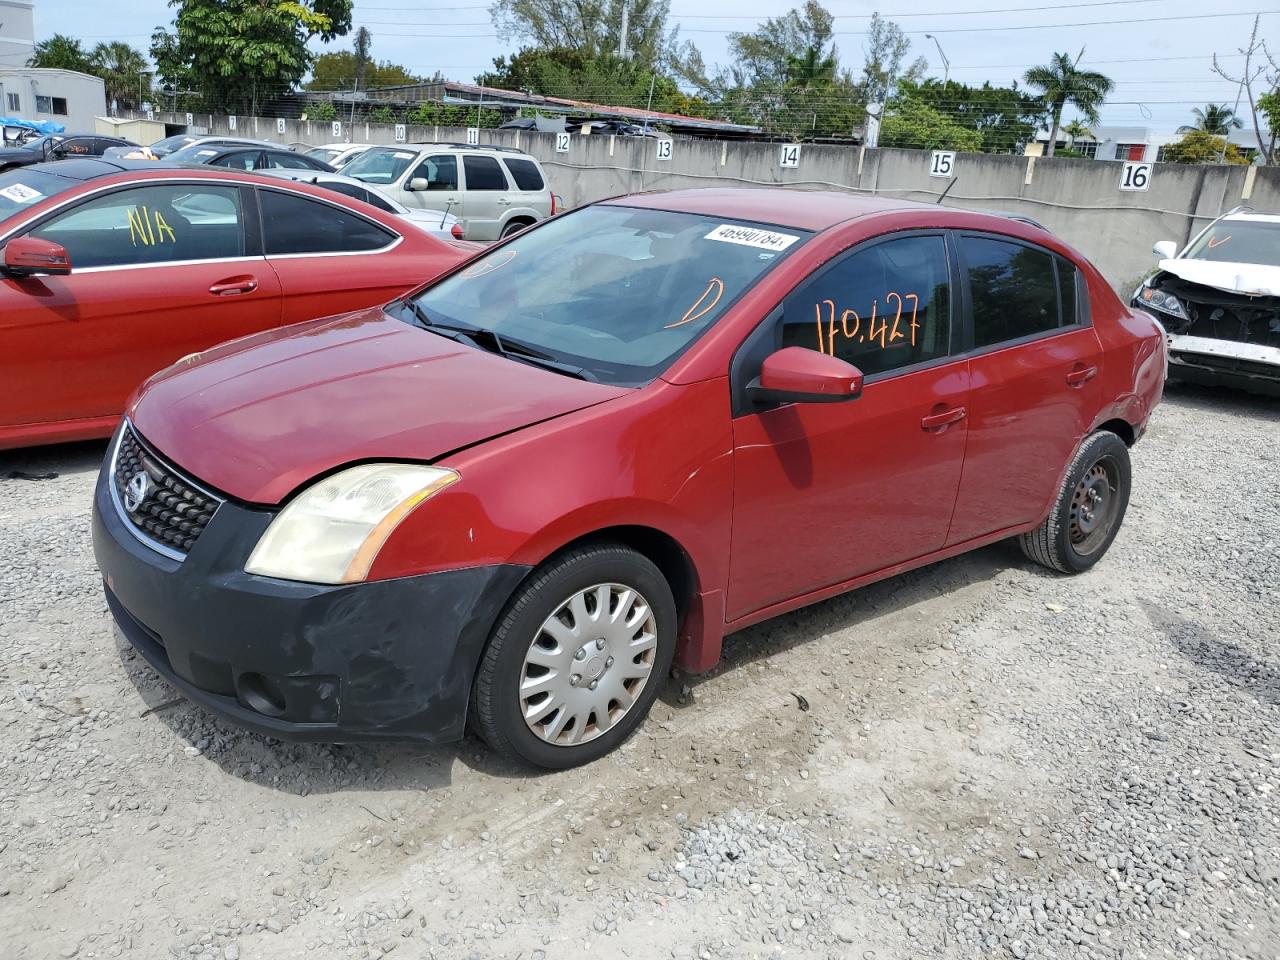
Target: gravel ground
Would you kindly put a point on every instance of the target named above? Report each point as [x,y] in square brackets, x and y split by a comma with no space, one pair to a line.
[976,759]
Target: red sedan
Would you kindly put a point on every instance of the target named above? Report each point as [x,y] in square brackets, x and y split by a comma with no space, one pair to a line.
[114,269]
[517,496]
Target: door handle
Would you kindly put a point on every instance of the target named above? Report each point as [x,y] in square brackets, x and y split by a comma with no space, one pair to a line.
[234,286]
[936,421]
[503,201]
[1081,374]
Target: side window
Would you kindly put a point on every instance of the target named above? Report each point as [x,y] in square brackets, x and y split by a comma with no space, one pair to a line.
[880,308]
[294,224]
[359,193]
[77,146]
[441,173]
[1013,287]
[247,160]
[525,173]
[287,161]
[145,225]
[483,173]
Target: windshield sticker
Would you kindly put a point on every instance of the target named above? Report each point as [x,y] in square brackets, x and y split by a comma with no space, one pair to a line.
[489,264]
[149,227]
[703,305]
[1215,242]
[20,193]
[751,237]
[882,334]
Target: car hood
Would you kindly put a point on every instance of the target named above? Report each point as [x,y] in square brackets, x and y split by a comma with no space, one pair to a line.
[1251,279]
[259,417]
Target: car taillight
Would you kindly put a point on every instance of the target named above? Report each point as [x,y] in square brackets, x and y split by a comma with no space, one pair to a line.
[456,230]
[553,203]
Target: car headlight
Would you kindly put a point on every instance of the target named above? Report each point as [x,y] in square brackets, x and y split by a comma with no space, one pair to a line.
[333,530]
[1159,300]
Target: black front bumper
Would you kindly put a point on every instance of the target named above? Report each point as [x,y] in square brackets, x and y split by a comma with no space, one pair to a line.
[383,660]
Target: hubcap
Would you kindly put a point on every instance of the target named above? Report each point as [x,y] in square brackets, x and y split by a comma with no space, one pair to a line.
[588,664]
[1093,506]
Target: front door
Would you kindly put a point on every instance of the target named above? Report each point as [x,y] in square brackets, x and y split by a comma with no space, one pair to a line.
[433,185]
[158,272]
[824,493]
[1034,386]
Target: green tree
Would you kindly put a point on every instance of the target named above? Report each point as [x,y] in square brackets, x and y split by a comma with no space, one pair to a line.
[337,71]
[918,126]
[765,57]
[238,52]
[811,69]
[322,111]
[1215,118]
[593,27]
[884,67]
[1061,81]
[430,112]
[60,52]
[1006,117]
[364,40]
[382,114]
[1200,146]
[124,71]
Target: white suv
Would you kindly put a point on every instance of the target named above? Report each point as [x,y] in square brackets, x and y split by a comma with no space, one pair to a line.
[493,191]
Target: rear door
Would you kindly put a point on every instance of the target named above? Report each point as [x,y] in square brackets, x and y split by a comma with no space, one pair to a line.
[486,197]
[330,259]
[529,193]
[1034,363]
[827,492]
[158,272]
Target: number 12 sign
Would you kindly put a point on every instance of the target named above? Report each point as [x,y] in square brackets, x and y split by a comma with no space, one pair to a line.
[562,142]
[942,163]
[1135,175]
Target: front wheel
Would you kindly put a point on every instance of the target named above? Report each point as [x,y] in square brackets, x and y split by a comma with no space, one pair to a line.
[576,661]
[1090,507]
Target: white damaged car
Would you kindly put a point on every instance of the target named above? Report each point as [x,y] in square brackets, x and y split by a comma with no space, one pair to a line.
[1219,301]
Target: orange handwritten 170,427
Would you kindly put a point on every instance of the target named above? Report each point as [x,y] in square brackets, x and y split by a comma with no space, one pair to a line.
[880,331]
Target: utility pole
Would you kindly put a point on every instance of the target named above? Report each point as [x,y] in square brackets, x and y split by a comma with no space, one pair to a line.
[946,64]
[623,52]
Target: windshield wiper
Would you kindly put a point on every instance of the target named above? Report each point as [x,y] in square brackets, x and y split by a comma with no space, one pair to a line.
[496,344]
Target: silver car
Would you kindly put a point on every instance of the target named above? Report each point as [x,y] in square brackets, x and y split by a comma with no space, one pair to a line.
[494,191]
[434,222]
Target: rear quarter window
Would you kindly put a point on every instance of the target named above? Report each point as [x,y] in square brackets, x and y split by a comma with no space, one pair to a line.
[524,173]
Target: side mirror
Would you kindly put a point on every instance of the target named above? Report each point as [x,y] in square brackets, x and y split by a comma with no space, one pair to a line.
[1165,249]
[418,183]
[797,375]
[31,256]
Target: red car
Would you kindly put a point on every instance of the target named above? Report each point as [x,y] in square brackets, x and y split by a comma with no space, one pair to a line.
[114,269]
[518,495]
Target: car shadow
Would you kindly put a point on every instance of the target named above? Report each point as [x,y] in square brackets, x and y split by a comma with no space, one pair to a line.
[1225,400]
[790,630]
[53,461]
[1207,650]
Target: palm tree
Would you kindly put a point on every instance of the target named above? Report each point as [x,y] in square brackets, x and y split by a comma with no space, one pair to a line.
[123,69]
[1215,118]
[1061,81]
[811,69]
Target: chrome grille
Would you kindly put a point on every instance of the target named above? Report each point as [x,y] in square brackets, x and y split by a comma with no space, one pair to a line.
[161,506]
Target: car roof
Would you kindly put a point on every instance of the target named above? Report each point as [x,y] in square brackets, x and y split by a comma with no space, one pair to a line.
[1254,217]
[799,209]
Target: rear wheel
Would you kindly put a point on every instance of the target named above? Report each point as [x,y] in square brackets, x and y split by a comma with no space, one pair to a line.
[1089,510]
[576,661]
[515,226]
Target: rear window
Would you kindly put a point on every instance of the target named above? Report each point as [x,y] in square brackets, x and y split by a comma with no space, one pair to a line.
[525,173]
[21,188]
[1013,289]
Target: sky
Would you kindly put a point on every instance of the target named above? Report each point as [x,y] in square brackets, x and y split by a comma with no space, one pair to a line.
[1158,52]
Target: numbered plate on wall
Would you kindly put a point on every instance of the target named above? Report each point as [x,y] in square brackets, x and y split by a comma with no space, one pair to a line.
[337,128]
[401,133]
[231,123]
[562,142]
[664,149]
[942,163]
[279,124]
[190,119]
[790,155]
[1136,175]
[473,136]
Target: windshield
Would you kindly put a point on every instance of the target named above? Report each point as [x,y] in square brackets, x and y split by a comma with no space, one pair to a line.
[1238,241]
[617,291]
[169,144]
[194,154]
[20,188]
[380,165]
[324,154]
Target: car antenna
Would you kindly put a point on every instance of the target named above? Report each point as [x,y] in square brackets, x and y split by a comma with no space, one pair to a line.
[943,195]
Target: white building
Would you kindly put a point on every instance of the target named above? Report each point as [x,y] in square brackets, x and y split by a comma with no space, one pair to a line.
[17,32]
[63,96]
[1135,143]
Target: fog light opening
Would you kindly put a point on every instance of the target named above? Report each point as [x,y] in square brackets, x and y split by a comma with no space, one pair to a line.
[263,694]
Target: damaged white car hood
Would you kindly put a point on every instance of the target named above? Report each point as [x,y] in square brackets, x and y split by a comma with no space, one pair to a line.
[1251,279]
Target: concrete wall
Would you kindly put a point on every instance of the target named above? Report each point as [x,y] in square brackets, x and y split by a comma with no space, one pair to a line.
[1079,200]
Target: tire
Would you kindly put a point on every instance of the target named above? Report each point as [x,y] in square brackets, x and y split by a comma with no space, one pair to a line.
[514,227]
[522,654]
[1089,510]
